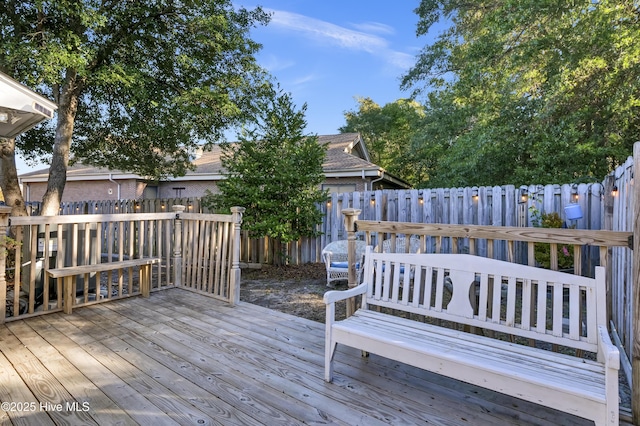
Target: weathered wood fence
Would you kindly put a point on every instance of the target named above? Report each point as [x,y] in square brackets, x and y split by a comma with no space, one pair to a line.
[496,206]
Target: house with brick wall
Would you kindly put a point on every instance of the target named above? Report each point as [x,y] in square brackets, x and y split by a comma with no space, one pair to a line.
[347,168]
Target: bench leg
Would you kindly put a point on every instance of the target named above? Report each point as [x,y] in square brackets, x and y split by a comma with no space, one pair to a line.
[145,280]
[69,293]
[330,349]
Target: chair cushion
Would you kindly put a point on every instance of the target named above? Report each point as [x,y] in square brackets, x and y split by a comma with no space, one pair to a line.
[344,265]
[401,268]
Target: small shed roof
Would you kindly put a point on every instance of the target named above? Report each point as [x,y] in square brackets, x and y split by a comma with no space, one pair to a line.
[21,108]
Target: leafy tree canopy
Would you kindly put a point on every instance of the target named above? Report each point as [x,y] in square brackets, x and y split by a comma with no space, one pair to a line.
[390,132]
[275,171]
[531,90]
[138,83]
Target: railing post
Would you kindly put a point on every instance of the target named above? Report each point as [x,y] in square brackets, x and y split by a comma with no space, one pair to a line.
[177,245]
[350,217]
[234,281]
[4,223]
[607,222]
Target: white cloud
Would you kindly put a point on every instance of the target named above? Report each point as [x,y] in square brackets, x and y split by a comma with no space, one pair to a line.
[300,81]
[401,60]
[327,32]
[272,63]
[374,27]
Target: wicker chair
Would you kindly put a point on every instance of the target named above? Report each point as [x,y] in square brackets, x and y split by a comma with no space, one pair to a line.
[401,245]
[334,256]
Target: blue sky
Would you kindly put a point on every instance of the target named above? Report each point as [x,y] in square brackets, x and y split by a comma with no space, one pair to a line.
[326,53]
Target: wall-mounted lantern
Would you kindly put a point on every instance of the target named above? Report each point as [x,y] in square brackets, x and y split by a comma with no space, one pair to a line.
[523,195]
[574,193]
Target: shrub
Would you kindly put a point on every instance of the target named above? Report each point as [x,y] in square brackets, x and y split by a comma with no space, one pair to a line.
[543,251]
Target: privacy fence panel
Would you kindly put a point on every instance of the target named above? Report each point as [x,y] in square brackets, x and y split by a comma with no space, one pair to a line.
[496,206]
[620,218]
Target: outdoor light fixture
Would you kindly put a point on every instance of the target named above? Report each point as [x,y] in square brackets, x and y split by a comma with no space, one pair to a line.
[21,108]
[523,195]
[614,191]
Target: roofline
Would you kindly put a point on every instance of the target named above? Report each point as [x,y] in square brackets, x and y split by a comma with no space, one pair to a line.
[335,173]
[99,176]
[15,84]
[365,150]
[372,172]
[396,180]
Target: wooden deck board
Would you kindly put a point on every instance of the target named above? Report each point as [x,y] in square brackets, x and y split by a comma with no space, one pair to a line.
[181,358]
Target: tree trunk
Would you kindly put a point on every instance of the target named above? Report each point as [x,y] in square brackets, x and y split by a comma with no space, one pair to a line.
[9,178]
[67,108]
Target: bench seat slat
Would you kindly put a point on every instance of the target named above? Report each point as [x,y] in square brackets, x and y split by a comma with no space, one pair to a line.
[67,275]
[447,337]
[100,267]
[565,374]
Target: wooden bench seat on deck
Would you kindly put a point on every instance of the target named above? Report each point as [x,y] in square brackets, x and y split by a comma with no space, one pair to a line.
[68,273]
[487,322]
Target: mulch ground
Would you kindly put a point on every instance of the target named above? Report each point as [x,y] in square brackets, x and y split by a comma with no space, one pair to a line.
[293,289]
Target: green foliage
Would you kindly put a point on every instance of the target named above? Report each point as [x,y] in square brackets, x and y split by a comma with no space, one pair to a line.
[390,133]
[275,171]
[138,82]
[528,91]
[543,251]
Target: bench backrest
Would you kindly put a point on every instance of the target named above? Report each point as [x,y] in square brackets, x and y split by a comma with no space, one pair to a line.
[515,299]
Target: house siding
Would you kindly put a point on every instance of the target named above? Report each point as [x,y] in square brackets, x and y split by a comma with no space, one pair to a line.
[347,163]
[188,189]
[89,190]
[359,183]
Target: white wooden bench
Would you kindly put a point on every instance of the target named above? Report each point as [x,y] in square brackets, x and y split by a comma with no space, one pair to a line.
[68,274]
[508,317]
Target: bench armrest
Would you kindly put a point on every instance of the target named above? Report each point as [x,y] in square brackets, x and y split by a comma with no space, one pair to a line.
[607,352]
[337,295]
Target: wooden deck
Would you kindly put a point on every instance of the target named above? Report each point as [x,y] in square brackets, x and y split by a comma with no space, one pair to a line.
[180,358]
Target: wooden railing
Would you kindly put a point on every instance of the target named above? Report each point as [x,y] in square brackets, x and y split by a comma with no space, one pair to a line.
[209,249]
[211,253]
[499,242]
